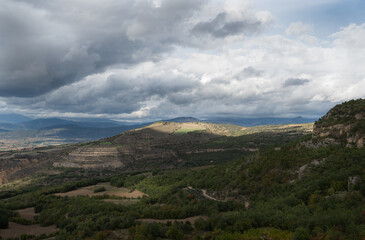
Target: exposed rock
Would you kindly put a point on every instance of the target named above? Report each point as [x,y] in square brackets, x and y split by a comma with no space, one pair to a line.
[343,123]
[352,181]
[305,167]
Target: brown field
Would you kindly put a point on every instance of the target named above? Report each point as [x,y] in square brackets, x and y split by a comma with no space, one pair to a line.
[110,190]
[190,219]
[16,230]
[124,202]
[27,213]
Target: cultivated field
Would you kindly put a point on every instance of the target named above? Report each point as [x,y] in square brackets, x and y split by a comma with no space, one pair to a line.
[109,190]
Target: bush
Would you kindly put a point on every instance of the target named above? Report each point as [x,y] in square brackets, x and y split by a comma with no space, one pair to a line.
[300,234]
[175,232]
[99,189]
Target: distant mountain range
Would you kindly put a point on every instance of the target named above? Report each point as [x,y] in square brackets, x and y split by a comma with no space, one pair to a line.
[48,131]
[55,122]
[27,132]
[13,118]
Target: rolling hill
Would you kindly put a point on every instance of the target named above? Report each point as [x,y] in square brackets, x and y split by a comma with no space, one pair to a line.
[160,145]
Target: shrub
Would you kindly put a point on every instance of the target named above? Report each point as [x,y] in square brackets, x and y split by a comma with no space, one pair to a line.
[99,189]
[300,234]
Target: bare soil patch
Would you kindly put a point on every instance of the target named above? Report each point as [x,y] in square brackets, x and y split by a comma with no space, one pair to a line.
[16,230]
[27,213]
[110,190]
[190,219]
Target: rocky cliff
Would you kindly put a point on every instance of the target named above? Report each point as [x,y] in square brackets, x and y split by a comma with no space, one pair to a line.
[345,123]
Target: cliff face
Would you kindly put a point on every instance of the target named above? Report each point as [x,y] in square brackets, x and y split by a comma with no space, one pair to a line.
[345,123]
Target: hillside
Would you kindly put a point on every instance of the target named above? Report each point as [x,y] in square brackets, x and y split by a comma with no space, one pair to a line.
[251,122]
[160,145]
[18,132]
[170,145]
[345,123]
[286,191]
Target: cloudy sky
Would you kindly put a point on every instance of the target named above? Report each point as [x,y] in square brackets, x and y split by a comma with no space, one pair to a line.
[151,59]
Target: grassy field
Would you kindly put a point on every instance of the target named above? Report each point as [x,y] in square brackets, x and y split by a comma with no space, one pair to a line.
[186,130]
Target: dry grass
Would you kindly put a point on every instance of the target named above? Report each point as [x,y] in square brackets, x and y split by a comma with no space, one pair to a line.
[16,230]
[110,191]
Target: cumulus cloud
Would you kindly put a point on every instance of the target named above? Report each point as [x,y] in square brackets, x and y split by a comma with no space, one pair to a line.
[154,59]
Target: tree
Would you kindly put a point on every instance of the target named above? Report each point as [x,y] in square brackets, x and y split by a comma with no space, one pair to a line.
[300,234]
[4,221]
[175,232]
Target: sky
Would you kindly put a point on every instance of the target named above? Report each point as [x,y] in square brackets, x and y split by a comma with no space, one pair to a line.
[153,59]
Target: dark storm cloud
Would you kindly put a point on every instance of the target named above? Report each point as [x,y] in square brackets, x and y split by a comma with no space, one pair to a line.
[295,82]
[48,44]
[221,27]
[116,94]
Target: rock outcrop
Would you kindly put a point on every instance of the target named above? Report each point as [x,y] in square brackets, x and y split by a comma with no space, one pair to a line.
[345,123]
